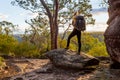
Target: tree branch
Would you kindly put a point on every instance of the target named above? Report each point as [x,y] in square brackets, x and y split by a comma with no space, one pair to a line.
[56,9]
[56,14]
[46,8]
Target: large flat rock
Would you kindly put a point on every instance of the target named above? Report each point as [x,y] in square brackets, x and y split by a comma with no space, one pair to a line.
[68,59]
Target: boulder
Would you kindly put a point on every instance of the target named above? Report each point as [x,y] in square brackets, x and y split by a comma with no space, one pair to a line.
[68,59]
[112,33]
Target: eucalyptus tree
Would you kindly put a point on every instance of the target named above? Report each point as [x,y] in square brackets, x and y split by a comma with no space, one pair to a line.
[6,27]
[39,32]
[57,12]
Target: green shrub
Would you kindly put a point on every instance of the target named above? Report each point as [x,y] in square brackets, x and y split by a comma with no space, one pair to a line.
[26,49]
[88,42]
[98,50]
[1,62]
[92,43]
[61,43]
[7,44]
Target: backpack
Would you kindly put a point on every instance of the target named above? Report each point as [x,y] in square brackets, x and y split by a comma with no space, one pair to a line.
[79,23]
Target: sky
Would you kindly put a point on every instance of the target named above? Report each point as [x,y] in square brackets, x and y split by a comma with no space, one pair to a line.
[17,15]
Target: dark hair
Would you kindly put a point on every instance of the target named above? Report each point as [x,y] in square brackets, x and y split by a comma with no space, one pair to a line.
[75,13]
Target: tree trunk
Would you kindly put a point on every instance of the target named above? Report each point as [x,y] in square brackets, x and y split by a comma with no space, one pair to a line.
[112,33]
[56,22]
[52,22]
[53,34]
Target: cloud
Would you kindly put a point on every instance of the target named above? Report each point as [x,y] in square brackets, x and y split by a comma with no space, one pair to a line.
[97,27]
[33,14]
[3,16]
[100,15]
[21,29]
[22,14]
[99,11]
[29,14]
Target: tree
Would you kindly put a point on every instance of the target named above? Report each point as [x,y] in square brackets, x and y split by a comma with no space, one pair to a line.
[58,12]
[38,33]
[6,27]
[37,29]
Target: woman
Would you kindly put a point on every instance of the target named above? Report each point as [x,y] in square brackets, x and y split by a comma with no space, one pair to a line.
[76,31]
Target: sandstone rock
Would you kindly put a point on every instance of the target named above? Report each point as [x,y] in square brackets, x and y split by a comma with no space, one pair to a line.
[19,78]
[6,78]
[68,59]
[112,33]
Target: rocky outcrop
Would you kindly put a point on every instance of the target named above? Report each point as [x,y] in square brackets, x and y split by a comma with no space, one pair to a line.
[112,33]
[68,59]
[42,69]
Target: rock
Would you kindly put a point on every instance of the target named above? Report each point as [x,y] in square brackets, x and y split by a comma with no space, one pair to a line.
[7,56]
[6,78]
[19,78]
[5,72]
[68,59]
[6,67]
[112,33]
[46,69]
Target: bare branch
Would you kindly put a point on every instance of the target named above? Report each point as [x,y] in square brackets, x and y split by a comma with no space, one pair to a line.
[65,32]
[56,14]
[46,8]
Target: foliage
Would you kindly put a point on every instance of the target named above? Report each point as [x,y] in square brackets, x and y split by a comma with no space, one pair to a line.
[10,46]
[98,50]
[66,8]
[104,3]
[88,42]
[37,34]
[26,49]
[61,43]
[7,44]
[55,11]
[98,35]
[1,61]
[6,27]
[40,40]
[92,43]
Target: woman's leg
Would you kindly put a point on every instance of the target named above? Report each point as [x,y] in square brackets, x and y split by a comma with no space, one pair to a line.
[79,41]
[73,33]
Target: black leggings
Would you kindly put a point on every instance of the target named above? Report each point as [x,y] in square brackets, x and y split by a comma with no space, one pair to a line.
[73,33]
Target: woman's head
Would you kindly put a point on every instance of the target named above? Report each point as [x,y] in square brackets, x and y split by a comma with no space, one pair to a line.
[76,13]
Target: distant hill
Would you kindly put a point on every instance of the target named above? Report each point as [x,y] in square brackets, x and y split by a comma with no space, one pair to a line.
[99,35]
[18,37]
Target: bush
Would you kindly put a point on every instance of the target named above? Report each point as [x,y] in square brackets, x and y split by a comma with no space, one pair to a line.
[1,62]
[88,42]
[98,50]
[92,43]
[26,49]
[7,44]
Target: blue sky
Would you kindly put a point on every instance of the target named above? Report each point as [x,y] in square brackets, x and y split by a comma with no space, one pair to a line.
[17,15]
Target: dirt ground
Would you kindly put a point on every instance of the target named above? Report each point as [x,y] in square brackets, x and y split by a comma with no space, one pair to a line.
[42,69]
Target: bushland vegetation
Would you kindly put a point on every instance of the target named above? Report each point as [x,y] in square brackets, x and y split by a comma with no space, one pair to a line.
[91,44]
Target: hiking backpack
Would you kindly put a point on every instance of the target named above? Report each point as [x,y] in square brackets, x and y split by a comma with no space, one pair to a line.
[79,23]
